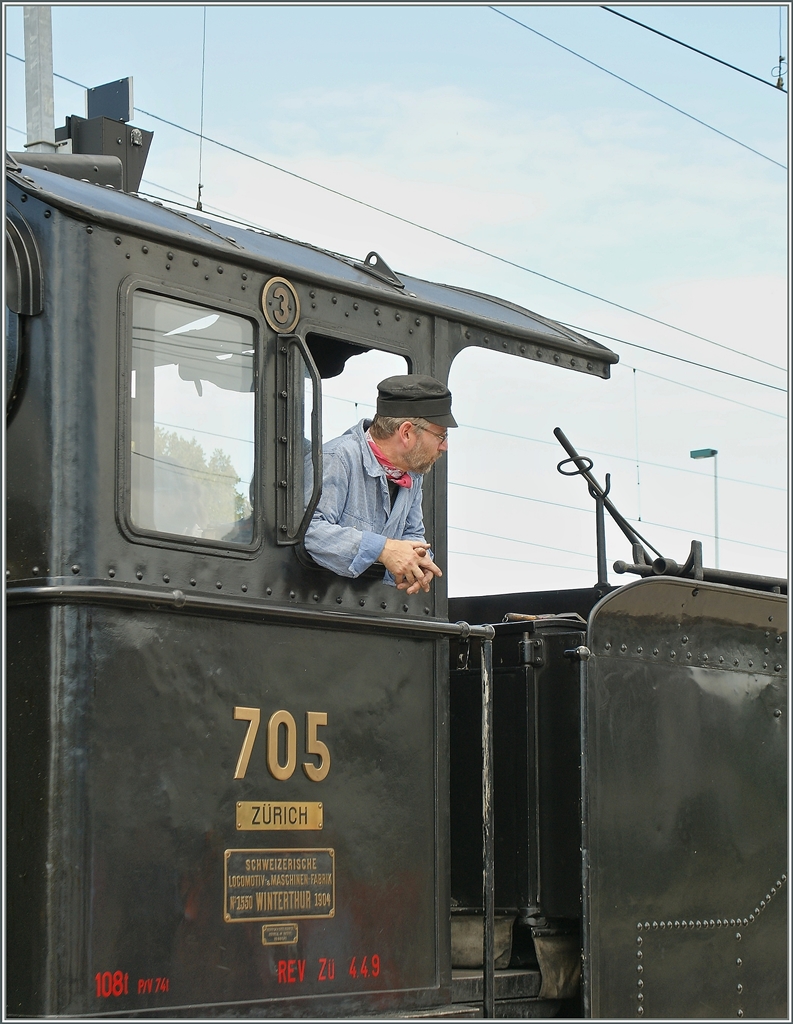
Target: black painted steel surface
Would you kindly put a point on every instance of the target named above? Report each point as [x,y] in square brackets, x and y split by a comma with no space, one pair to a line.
[685,738]
[142,805]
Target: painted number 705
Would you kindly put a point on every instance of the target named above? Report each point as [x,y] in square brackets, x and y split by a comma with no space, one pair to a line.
[282,720]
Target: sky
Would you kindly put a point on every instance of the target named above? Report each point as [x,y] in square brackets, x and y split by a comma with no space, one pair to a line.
[591,202]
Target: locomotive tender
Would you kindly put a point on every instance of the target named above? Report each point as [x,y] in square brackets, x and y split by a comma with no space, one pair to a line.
[237,784]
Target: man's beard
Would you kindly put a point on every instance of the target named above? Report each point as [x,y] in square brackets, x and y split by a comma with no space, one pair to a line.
[420,462]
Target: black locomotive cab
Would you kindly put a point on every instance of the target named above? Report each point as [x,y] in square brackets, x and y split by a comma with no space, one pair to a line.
[238,783]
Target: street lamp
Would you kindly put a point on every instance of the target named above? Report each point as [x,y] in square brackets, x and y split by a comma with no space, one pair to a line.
[712,453]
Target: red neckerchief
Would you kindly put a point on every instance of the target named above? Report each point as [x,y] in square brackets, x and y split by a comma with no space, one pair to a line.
[395,475]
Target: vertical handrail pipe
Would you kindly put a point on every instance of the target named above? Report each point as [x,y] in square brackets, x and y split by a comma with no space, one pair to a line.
[488,880]
[586,892]
[600,526]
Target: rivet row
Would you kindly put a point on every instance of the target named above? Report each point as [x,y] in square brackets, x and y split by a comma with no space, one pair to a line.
[725,922]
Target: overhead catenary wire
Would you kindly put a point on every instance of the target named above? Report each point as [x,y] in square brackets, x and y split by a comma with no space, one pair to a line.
[589,451]
[183,470]
[633,85]
[702,52]
[436,233]
[679,359]
[575,327]
[517,561]
[588,330]
[703,391]
[468,245]
[591,511]
[678,469]
[530,271]
[209,433]
[678,383]
[587,510]
[216,211]
[717,344]
[528,543]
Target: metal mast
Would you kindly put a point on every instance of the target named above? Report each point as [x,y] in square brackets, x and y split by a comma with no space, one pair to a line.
[39,100]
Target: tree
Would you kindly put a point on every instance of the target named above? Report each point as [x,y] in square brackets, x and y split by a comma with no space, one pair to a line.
[206,488]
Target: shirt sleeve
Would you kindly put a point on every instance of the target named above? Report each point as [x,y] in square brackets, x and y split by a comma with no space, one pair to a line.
[345,550]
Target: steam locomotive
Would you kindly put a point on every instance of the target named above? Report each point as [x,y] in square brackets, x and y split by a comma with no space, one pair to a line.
[238,784]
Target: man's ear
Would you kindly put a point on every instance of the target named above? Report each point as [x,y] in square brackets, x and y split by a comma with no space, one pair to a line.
[403,431]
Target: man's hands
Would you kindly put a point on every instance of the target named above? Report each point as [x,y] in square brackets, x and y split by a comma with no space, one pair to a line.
[410,564]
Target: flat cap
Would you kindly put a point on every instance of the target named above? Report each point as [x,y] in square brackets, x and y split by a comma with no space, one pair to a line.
[415,394]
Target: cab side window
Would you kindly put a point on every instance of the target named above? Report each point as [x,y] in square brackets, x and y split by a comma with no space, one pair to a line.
[192,441]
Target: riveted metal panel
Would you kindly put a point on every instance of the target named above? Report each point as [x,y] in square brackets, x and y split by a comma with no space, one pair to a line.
[140,814]
[685,782]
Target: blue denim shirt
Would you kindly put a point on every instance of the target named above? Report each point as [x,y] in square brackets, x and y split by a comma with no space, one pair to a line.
[354,517]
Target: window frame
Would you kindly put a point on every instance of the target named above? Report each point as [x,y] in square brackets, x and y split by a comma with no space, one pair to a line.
[261,338]
[304,331]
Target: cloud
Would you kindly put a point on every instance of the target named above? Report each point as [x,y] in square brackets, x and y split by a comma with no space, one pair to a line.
[584,196]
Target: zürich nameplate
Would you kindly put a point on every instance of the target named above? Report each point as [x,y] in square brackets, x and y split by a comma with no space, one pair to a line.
[279,816]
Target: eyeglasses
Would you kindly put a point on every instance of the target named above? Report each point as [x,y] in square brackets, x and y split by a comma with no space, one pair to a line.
[441,437]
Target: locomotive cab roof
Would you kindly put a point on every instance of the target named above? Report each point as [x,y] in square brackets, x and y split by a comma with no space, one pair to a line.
[542,338]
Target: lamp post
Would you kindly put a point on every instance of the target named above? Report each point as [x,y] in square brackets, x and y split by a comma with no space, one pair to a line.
[712,453]
[39,102]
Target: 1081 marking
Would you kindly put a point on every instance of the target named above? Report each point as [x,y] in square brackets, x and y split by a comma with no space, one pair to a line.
[115,984]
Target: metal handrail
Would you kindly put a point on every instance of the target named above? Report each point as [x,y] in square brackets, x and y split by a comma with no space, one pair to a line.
[488,873]
[168,600]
